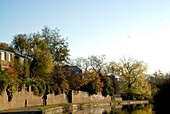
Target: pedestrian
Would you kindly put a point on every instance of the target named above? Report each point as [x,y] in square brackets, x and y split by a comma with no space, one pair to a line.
[44,100]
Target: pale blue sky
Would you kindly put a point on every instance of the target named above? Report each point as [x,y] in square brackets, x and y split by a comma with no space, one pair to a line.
[116,28]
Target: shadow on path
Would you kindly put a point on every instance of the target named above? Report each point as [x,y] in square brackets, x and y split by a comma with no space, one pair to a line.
[24,112]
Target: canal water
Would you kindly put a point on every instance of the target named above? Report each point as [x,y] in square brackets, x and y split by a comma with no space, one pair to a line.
[119,109]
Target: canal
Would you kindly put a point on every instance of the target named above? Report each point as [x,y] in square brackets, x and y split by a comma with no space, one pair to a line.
[119,109]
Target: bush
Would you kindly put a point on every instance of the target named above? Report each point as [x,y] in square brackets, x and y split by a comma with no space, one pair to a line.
[49,89]
[34,89]
[19,85]
[107,89]
[91,88]
[38,87]
[3,83]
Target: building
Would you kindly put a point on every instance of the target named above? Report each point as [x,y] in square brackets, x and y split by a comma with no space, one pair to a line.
[8,57]
[74,70]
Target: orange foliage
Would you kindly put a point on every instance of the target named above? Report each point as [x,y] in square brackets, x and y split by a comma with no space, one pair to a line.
[76,80]
[12,73]
[95,79]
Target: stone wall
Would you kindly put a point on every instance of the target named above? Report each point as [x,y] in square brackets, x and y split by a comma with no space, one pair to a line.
[80,96]
[27,98]
[23,98]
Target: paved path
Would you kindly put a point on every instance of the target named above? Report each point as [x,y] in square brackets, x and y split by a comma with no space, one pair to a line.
[27,110]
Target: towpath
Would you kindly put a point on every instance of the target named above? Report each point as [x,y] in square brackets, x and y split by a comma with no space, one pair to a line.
[27,110]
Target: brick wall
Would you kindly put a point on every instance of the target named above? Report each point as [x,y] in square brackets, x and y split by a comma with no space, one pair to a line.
[19,99]
[80,96]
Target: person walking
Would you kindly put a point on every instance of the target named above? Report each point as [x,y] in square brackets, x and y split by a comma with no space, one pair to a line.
[44,100]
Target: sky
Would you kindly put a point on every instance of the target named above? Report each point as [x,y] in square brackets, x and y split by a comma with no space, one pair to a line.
[133,28]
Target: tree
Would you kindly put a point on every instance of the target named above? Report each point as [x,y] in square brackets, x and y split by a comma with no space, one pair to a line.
[97,63]
[42,64]
[20,44]
[130,72]
[59,79]
[110,70]
[162,96]
[107,88]
[57,45]
[82,63]
[142,88]
[6,46]
[94,83]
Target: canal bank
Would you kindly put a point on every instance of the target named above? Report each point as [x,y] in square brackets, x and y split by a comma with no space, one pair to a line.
[81,106]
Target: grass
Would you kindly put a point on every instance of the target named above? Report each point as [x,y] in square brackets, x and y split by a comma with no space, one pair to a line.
[68,104]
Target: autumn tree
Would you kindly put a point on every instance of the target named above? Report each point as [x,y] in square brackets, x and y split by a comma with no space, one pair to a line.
[94,83]
[131,72]
[59,80]
[142,88]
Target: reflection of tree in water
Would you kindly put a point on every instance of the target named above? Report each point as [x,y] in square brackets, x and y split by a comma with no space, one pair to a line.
[132,109]
[163,96]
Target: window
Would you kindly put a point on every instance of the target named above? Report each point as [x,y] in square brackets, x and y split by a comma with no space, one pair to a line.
[10,57]
[22,60]
[3,56]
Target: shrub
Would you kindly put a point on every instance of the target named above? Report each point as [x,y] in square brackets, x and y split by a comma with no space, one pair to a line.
[37,87]
[3,83]
[91,88]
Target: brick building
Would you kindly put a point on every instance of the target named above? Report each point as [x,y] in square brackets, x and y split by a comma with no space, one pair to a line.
[7,58]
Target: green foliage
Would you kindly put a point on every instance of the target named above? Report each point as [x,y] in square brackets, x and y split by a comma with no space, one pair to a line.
[34,89]
[49,89]
[107,89]
[5,46]
[38,87]
[26,70]
[91,88]
[3,84]
[19,84]
[57,45]
[20,44]
[42,64]
[132,73]
[59,78]
[4,81]
[163,94]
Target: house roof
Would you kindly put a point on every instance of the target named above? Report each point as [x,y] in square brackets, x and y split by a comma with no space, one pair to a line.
[15,54]
[76,68]
[6,50]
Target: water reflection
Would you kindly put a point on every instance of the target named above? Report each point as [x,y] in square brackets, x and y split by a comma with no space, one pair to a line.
[119,109]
